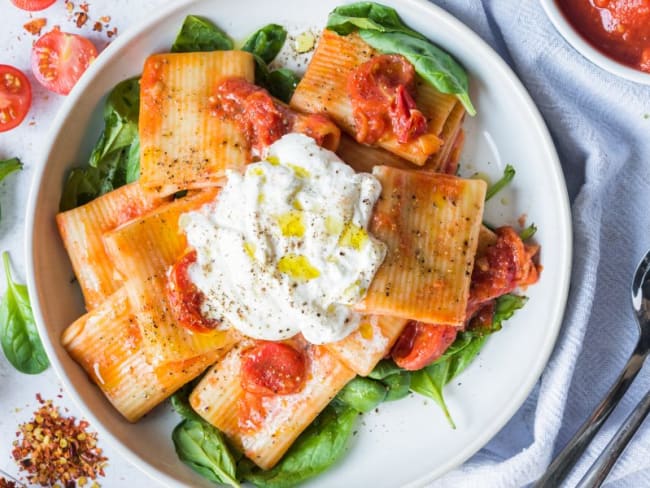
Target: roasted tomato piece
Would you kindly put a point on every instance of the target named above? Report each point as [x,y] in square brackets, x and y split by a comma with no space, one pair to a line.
[59,59]
[505,265]
[15,97]
[273,368]
[185,298]
[381,93]
[421,344]
[32,5]
[253,109]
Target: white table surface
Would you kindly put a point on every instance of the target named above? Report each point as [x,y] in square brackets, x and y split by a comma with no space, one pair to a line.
[18,391]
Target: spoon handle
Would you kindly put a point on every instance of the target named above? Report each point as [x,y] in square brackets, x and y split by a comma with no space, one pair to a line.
[604,463]
[567,458]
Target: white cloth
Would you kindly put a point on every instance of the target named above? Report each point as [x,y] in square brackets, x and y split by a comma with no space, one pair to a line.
[601,128]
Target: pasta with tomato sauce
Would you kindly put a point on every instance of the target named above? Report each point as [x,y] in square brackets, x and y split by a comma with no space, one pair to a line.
[301,252]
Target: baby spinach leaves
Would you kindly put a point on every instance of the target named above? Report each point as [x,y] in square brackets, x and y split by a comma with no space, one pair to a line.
[508,174]
[431,380]
[382,28]
[369,16]
[199,34]
[8,166]
[265,44]
[115,160]
[203,448]
[363,394]
[18,334]
[528,232]
[315,450]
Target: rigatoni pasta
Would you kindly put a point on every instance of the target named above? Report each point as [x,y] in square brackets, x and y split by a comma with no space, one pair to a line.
[82,229]
[323,89]
[183,146]
[431,224]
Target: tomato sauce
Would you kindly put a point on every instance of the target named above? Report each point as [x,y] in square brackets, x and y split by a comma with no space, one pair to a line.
[618,28]
[501,268]
[185,298]
[381,92]
[421,344]
[264,120]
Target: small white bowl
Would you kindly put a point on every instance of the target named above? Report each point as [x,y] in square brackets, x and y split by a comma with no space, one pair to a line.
[580,44]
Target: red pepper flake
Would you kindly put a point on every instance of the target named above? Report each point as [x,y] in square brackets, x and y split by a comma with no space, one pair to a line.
[84,7]
[97,27]
[80,19]
[5,483]
[35,26]
[55,449]
[105,19]
[112,32]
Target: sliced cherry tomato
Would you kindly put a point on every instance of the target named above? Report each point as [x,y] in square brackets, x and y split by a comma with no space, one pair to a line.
[59,59]
[15,97]
[421,344]
[273,368]
[502,267]
[381,92]
[185,298]
[32,5]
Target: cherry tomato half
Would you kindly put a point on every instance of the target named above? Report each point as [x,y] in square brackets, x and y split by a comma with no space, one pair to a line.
[32,5]
[59,59]
[273,368]
[421,344]
[15,97]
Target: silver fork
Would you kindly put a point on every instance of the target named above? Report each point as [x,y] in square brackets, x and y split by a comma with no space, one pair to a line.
[567,458]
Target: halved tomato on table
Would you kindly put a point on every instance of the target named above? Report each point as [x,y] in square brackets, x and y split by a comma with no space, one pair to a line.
[60,58]
[32,5]
[15,97]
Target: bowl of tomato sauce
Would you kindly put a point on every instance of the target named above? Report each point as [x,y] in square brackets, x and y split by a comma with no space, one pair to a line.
[613,34]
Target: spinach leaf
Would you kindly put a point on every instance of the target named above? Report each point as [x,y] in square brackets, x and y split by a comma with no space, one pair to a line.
[432,63]
[202,448]
[508,175]
[18,334]
[133,161]
[315,450]
[115,160]
[367,15]
[528,232]
[181,402]
[266,42]
[382,28]
[199,34]
[431,380]
[363,394]
[8,166]
[281,83]
[385,368]
[264,45]
[398,386]
[505,308]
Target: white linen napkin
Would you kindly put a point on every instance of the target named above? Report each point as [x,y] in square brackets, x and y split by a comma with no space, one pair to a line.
[601,128]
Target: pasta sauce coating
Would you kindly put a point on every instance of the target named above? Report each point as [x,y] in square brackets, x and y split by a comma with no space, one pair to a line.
[185,298]
[265,120]
[381,91]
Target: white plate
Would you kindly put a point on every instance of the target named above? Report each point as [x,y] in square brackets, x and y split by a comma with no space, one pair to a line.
[584,47]
[404,442]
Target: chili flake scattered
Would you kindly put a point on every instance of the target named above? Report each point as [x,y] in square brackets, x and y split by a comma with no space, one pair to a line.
[5,483]
[52,448]
[81,18]
[34,26]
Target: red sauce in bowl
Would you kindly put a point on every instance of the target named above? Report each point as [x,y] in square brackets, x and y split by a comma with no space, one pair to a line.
[618,28]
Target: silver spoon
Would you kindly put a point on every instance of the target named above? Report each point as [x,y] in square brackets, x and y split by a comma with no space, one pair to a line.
[567,458]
